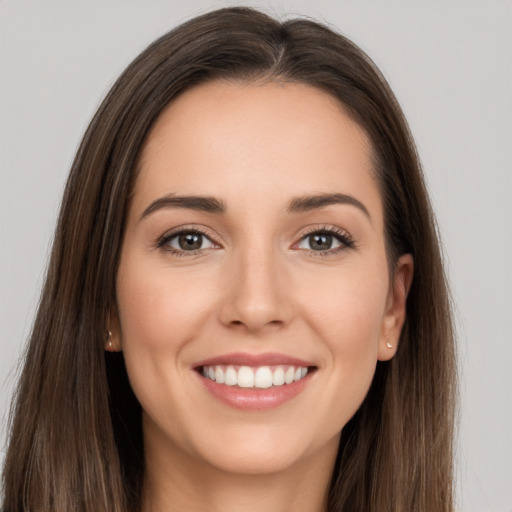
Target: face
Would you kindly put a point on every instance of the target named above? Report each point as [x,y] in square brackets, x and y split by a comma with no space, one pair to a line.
[254,297]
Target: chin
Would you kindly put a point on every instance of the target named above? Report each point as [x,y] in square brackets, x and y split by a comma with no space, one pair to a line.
[263,450]
[251,460]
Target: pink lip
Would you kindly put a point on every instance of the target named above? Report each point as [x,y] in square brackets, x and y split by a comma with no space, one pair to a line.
[254,399]
[244,359]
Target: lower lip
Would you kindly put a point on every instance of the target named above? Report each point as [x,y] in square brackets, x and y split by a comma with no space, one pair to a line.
[255,399]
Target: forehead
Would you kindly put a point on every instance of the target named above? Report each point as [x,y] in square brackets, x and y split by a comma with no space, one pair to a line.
[270,138]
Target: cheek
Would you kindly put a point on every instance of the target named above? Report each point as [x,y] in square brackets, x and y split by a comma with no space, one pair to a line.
[158,311]
[346,319]
[159,314]
[348,308]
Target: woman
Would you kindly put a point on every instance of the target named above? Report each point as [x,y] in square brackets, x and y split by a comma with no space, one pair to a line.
[245,304]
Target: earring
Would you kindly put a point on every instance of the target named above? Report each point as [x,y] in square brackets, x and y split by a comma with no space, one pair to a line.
[389,344]
[109,347]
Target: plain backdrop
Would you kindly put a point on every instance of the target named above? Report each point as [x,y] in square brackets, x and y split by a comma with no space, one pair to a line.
[449,64]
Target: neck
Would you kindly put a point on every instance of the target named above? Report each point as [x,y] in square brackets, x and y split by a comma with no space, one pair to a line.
[194,486]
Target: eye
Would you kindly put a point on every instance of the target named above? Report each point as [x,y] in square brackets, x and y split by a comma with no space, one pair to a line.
[186,241]
[327,241]
[319,242]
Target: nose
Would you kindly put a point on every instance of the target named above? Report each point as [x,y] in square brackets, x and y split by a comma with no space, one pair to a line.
[258,292]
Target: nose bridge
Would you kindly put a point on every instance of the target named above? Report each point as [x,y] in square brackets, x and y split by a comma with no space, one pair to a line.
[257,295]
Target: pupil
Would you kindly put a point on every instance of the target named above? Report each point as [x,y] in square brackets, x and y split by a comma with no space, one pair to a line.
[190,242]
[320,242]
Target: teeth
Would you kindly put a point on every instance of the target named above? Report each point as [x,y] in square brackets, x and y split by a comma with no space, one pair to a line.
[219,375]
[245,377]
[230,378]
[288,376]
[261,377]
[278,376]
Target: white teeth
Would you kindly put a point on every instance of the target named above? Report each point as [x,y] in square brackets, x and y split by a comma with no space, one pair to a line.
[262,377]
[219,375]
[278,376]
[245,377]
[288,376]
[230,377]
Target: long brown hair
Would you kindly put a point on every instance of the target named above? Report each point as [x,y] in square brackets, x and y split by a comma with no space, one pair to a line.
[75,433]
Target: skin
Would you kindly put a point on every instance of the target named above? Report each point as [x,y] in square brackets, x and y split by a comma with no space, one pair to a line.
[255,286]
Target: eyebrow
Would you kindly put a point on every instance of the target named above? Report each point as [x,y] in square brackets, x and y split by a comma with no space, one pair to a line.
[308,203]
[201,203]
[213,205]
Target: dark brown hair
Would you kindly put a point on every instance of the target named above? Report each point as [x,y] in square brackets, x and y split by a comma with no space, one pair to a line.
[75,433]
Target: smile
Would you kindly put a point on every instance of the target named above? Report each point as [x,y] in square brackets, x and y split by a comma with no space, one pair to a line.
[255,382]
[262,377]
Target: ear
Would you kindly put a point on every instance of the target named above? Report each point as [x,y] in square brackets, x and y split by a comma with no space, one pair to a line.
[394,316]
[113,336]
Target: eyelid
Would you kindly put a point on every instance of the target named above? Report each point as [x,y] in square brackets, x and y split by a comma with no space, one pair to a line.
[344,237]
[163,240]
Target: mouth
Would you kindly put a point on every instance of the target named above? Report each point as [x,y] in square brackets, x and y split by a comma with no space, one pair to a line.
[260,377]
[255,382]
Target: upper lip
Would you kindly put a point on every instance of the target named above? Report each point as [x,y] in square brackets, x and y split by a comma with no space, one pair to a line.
[244,359]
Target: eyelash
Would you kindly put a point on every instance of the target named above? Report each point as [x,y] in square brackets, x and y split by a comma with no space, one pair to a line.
[344,238]
[340,235]
[163,242]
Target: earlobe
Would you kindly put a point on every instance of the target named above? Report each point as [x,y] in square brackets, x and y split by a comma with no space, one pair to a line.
[394,318]
[112,339]
[109,345]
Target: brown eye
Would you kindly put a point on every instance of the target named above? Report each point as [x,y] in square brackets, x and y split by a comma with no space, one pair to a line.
[188,241]
[320,242]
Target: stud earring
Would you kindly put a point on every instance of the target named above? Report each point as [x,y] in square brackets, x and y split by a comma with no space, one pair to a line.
[389,344]
[109,346]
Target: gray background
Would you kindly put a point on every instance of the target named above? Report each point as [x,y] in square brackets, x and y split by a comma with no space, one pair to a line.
[449,62]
